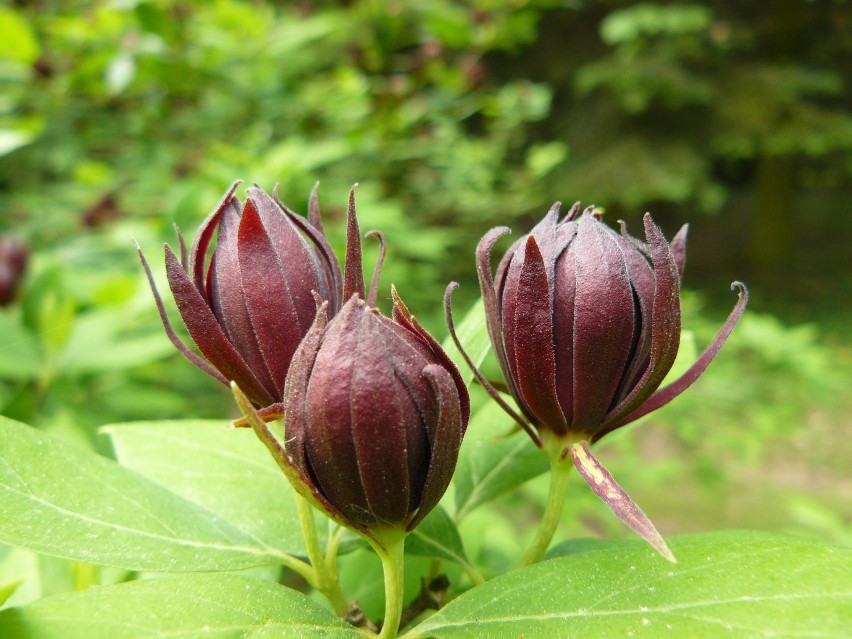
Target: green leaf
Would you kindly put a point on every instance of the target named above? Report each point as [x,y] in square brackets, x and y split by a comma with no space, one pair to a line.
[492,463]
[736,585]
[225,470]
[18,41]
[472,332]
[105,340]
[437,537]
[20,358]
[8,589]
[69,502]
[215,606]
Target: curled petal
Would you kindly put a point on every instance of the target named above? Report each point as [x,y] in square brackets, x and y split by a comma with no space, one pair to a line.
[678,248]
[170,332]
[489,294]
[204,236]
[668,393]
[296,387]
[374,283]
[665,328]
[208,334]
[489,387]
[404,318]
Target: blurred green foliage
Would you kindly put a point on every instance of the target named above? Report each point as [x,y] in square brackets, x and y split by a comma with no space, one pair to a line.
[120,118]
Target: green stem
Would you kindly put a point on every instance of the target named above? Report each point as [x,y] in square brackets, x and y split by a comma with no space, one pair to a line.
[331,549]
[560,470]
[324,581]
[389,545]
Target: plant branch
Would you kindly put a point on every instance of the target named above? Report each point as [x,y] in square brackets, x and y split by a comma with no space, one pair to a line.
[560,469]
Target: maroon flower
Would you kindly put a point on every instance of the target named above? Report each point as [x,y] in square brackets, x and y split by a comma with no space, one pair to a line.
[585,324]
[248,307]
[374,411]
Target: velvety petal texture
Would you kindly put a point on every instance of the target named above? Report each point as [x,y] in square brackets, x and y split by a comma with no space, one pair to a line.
[375,413]
[585,321]
[247,290]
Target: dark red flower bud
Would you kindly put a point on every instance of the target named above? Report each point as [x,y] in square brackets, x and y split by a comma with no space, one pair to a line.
[249,305]
[585,322]
[374,414]
[13,264]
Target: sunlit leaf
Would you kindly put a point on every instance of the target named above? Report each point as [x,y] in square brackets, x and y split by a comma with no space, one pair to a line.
[733,585]
[62,500]
[225,470]
[17,39]
[177,606]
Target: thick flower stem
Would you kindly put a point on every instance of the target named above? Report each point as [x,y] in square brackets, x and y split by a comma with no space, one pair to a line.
[560,469]
[325,581]
[389,545]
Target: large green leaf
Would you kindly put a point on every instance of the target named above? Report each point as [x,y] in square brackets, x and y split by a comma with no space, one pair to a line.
[178,606]
[492,463]
[225,470]
[8,588]
[62,500]
[736,585]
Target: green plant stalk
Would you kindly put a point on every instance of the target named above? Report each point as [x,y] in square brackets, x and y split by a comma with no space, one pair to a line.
[331,549]
[389,545]
[560,469]
[324,580]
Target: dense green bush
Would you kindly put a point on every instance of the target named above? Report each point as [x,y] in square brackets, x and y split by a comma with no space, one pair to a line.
[119,119]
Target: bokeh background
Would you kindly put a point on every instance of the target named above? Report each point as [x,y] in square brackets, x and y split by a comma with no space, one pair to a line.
[121,118]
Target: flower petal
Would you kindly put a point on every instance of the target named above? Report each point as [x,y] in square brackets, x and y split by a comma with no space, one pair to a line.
[615,497]
[208,335]
[669,392]
[204,236]
[353,275]
[447,440]
[403,317]
[489,295]
[279,271]
[665,336]
[228,300]
[532,344]
[603,323]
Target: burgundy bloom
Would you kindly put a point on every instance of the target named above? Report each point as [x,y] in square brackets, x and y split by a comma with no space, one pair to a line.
[374,411]
[585,322]
[249,305]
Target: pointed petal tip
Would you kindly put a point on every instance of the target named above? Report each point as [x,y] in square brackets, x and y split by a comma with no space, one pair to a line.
[353,278]
[599,479]
[572,213]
